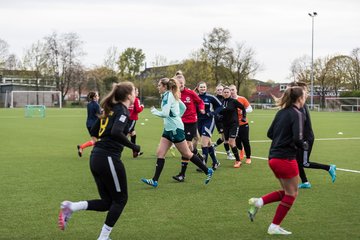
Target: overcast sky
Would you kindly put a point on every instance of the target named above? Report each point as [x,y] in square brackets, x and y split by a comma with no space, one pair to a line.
[278,30]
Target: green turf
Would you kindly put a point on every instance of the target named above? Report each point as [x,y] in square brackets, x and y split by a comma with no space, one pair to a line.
[40,168]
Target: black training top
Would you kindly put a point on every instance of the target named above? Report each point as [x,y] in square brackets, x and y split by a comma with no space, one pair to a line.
[286,133]
[308,131]
[229,111]
[111,131]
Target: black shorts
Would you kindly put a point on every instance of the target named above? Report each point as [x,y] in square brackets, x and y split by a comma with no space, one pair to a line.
[219,126]
[132,124]
[190,131]
[230,131]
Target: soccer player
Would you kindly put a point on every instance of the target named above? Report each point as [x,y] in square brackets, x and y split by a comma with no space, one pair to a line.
[193,103]
[303,157]
[242,139]
[206,122]
[229,117]
[105,163]
[93,113]
[220,126]
[134,110]
[172,108]
[286,133]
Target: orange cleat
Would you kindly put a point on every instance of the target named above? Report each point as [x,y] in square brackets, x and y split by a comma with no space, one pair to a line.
[248,161]
[237,164]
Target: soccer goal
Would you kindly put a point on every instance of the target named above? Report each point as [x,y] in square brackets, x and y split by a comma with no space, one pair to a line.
[343,104]
[35,98]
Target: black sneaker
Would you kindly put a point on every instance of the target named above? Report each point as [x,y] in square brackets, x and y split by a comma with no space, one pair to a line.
[216,165]
[179,178]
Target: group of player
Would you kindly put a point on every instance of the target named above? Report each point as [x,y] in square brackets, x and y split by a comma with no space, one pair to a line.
[187,114]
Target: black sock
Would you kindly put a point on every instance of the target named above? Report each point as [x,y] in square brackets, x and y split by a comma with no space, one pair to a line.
[236,153]
[195,151]
[183,167]
[212,154]
[159,167]
[196,160]
[219,141]
[133,139]
[318,166]
[226,146]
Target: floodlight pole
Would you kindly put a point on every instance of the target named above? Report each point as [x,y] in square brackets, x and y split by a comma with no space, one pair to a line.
[312,15]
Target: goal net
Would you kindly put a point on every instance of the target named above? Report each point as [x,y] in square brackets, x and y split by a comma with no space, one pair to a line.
[44,98]
[341,104]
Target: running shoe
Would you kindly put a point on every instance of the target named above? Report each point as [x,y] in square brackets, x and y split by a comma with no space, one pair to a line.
[237,164]
[150,182]
[304,185]
[253,208]
[248,161]
[242,154]
[332,172]
[277,230]
[64,214]
[216,165]
[209,175]
[79,149]
[179,178]
[230,156]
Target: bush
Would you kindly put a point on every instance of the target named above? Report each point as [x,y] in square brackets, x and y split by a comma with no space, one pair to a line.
[350,94]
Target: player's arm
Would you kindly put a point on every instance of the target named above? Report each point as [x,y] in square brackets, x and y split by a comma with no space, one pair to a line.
[117,131]
[165,107]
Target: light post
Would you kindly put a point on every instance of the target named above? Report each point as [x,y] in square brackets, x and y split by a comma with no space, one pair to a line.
[312,15]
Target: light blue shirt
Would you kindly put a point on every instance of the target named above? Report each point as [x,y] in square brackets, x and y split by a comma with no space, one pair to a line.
[171,111]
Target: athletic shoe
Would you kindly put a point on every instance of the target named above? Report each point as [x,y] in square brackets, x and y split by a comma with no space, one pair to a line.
[230,156]
[79,149]
[277,230]
[248,161]
[209,175]
[150,182]
[253,209]
[179,178]
[216,165]
[242,154]
[64,214]
[237,164]
[304,185]
[136,154]
[332,172]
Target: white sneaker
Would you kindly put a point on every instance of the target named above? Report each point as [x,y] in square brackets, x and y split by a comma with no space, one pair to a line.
[64,214]
[277,230]
[230,156]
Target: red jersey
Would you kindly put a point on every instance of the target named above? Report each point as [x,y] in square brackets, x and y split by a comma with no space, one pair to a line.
[246,104]
[135,109]
[193,103]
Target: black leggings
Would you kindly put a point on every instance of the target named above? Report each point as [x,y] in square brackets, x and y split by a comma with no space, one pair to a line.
[243,140]
[110,177]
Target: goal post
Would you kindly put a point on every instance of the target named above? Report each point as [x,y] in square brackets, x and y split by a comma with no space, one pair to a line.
[36,98]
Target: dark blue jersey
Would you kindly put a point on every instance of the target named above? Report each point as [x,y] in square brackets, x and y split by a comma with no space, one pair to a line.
[93,111]
[212,106]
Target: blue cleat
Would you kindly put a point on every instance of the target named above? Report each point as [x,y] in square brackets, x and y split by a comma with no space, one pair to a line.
[332,172]
[150,182]
[304,185]
[209,175]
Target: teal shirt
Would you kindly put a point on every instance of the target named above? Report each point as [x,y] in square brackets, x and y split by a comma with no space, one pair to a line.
[171,111]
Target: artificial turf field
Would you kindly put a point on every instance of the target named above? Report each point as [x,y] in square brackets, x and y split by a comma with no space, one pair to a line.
[40,168]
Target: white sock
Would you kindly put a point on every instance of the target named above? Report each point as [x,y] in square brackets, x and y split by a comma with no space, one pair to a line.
[105,232]
[76,206]
[259,203]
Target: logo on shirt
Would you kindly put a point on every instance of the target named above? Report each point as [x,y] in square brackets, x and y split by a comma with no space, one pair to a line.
[122,118]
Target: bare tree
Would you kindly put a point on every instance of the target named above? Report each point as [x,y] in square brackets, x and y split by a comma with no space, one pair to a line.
[216,47]
[111,58]
[355,74]
[4,51]
[300,69]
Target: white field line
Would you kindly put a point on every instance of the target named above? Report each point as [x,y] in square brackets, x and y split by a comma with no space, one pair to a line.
[263,158]
[316,139]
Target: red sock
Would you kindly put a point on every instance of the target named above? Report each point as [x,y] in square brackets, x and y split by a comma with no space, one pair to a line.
[283,208]
[273,197]
[87,144]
